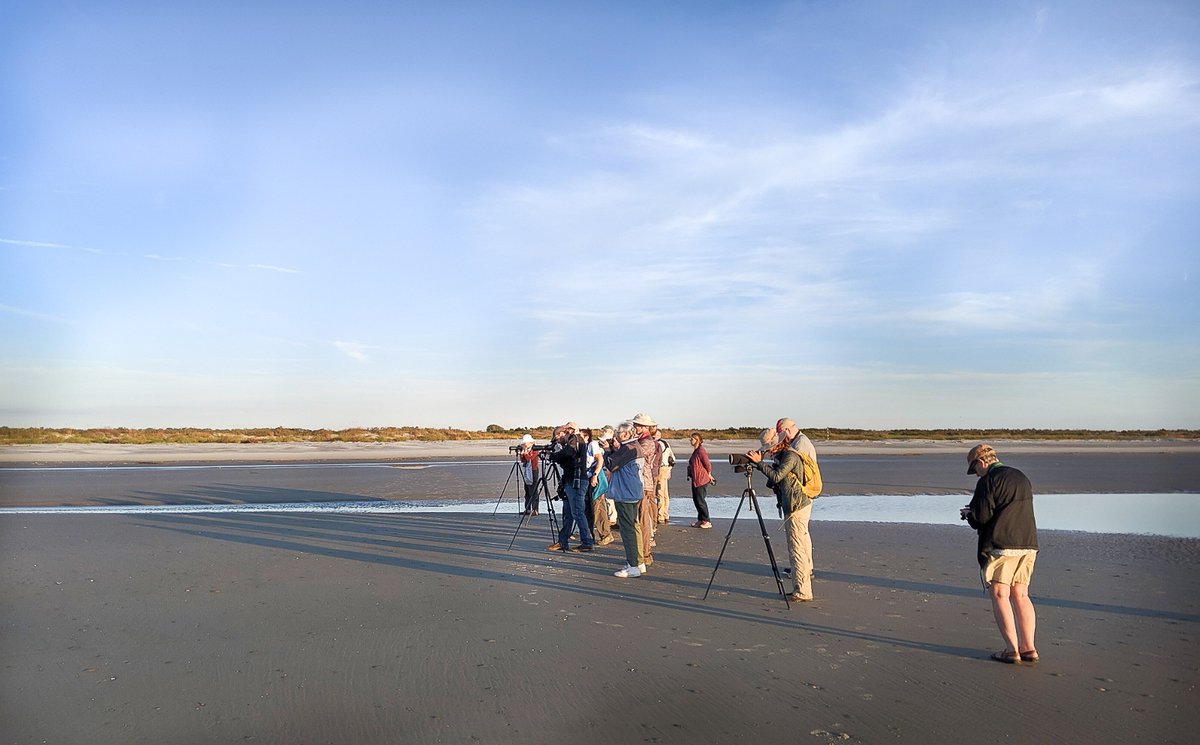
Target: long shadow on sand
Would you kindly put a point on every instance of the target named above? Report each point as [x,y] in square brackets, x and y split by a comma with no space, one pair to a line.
[231,494]
[475,548]
[444,537]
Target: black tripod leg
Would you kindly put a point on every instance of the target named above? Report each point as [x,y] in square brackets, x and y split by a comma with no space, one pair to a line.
[726,544]
[550,513]
[543,485]
[770,553]
[518,530]
[512,471]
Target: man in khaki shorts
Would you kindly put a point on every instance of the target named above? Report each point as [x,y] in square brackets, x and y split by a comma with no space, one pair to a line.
[1002,512]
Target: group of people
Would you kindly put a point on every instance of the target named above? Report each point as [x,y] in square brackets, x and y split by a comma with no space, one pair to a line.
[627,469]
[619,476]
[614,476]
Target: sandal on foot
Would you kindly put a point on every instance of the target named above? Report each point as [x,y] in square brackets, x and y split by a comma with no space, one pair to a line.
[1029,655]
[1008,658]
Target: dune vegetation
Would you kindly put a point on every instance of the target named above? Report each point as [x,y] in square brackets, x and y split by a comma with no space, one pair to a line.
[194,435]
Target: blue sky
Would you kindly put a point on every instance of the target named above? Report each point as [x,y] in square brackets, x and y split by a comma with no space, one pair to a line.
[858,214]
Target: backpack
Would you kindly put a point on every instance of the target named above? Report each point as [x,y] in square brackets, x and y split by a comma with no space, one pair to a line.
[668,454]
[810,485]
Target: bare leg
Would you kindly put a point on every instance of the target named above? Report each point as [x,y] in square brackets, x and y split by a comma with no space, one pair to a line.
[1026,618]
[1003,611]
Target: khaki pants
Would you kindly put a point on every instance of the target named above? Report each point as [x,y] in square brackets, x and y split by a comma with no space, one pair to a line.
[660,492]
[800,548]
[600,522]
[646,514]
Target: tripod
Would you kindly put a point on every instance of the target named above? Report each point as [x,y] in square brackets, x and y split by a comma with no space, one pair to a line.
[546,474]
[516,468]
[754,507]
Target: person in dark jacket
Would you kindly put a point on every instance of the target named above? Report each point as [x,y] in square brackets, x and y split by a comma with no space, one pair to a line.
[572,458]
[784,474]
[1002,512]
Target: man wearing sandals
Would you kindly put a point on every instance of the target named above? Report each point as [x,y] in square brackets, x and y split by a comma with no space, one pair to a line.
[1002,512]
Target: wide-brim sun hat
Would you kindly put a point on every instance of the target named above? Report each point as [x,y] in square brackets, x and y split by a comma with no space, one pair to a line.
[767,440]
[644,420]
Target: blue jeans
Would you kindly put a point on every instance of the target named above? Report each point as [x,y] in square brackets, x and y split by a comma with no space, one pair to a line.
[575,513]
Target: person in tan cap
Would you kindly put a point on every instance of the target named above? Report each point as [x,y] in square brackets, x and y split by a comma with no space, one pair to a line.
[1001,510]
[651,455]
[785,473]
[787,429]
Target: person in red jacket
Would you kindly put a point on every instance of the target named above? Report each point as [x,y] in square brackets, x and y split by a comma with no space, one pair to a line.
[699,472]
[528,458]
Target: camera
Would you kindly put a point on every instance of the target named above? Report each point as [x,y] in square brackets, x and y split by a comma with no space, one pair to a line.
[741,463]
[535,448]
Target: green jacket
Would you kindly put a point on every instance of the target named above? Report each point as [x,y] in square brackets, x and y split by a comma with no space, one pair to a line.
[788,495]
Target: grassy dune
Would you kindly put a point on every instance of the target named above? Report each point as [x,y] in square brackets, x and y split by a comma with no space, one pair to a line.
[192,435]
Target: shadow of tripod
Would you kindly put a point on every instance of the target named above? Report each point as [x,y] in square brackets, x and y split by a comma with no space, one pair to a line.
[748,493]
[547,474]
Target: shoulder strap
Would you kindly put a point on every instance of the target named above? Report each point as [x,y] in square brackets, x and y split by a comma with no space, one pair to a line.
[799,455]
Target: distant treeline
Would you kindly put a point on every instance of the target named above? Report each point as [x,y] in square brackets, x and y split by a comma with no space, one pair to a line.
[191,435]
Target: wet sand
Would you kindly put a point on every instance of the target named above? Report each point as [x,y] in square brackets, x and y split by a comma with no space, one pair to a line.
[426,628]
[341,451]
[477,471]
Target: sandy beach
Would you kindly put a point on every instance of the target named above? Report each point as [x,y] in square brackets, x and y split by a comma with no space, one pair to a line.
[424,628]
[333,451]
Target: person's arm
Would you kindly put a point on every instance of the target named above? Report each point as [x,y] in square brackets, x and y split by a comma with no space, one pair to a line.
[619,457]
[705,463]
[599,465]
[981,509]
[789,463]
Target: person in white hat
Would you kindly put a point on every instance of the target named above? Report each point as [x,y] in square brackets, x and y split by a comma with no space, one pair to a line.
[528,458]
[651,456]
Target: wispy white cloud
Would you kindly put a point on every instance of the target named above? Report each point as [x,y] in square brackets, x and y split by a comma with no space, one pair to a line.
[353,350]
[272,268]
[37,315]
[33,244]
[263,267]
[42,244]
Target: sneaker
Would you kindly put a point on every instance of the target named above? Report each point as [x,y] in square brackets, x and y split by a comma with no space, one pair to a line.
[582,548]
[706,525]
[604,541]
[628,572]
[554,547]
[642,568]
[796,597]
